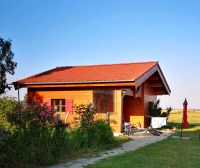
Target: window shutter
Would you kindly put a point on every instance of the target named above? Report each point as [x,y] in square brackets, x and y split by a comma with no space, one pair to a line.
[47,101]
[109,105]
[69,106]
[99,104]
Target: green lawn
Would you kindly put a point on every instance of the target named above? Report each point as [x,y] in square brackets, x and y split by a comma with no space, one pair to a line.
[89,152]
[169,153]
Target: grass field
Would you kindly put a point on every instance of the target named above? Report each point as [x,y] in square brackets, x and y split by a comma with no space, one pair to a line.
[176,116]
[169,153]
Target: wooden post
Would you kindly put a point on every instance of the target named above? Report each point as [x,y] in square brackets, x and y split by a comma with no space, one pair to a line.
[18,93]
[108,117]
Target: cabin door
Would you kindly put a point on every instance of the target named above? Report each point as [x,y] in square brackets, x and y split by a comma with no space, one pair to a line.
[126,109]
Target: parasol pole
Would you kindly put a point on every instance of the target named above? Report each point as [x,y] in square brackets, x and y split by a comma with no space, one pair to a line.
[182,126]
[184,113]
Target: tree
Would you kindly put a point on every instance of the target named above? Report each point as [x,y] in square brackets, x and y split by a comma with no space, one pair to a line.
[7,65]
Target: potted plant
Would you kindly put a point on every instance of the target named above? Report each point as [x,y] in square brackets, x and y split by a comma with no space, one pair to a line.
[158,118]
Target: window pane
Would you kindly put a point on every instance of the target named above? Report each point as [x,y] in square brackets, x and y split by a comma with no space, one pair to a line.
[63,108]
[56,108]
[104,100]
[104,106]
[63,102]
[56,101]
[58,105]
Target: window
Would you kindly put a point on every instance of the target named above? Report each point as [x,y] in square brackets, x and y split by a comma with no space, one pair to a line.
[58,105]
[104,100]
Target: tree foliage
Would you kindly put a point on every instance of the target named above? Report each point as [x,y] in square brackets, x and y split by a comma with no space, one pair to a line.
[7,64]
[7,104]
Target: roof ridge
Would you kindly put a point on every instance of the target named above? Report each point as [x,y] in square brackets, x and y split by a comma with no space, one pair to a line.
[108,64]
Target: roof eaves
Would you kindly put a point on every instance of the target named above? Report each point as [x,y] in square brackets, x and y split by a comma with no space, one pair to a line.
[164,80]
[156,63]
[72,82]
[148,73]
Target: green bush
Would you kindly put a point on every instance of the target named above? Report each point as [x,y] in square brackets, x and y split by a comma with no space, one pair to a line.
[35,141]
[92,133]
[28,148]
[98,134]
[103,133]
[86,114]
[7,104]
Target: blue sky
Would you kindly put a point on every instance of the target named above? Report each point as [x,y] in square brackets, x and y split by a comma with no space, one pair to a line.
[46,34]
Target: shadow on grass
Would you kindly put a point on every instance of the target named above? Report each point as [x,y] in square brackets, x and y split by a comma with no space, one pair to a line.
[193,131]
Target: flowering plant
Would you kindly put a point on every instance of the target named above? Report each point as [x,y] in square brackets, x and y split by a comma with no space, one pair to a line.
[30,115]
[86,114]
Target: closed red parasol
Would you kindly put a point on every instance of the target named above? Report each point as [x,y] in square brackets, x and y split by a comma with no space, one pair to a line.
[185,122]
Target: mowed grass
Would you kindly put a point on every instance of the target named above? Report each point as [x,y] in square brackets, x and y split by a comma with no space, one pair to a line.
[169,153]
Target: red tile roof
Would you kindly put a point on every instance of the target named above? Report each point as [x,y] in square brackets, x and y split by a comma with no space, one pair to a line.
[92,73]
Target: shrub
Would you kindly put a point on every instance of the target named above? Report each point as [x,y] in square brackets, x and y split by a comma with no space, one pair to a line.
[103,133]
[35,141]
[92,133]
[86,130]
[25,148]
[30,116]
[7,104]
[86,114]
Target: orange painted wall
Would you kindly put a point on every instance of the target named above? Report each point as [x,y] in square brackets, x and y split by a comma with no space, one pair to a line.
[133,109]
[136,109]
[149,97]
[80,97]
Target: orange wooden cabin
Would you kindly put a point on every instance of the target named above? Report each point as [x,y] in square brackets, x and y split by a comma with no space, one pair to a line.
[125,90]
